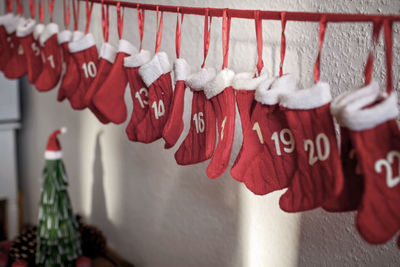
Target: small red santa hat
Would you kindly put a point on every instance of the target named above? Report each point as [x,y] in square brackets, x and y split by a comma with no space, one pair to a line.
[53,148]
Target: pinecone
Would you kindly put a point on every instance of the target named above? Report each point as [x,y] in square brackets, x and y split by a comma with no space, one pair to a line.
[93,242]
[24,247]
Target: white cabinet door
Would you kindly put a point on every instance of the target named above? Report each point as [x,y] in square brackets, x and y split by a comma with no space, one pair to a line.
[9,99]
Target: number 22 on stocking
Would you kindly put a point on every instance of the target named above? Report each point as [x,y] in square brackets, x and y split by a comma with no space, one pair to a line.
[387,164]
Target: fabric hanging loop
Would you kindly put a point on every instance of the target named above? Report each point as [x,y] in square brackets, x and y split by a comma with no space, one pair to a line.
[259,38]
[226,28]
[41,11]
[207,31]
[283,42]
[388,30]
[377,25]
[67,13]
[159,31]
[178,34]
[75,12]
[51,9]
[140,18]
[120,20]
[32,4]
[105,20]
[20,7]
[89,8]
[9,6]
[322,29]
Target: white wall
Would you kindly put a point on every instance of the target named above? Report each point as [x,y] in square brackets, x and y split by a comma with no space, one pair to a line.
[156,213]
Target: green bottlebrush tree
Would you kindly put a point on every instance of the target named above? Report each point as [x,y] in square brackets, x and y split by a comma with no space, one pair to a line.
[58,242]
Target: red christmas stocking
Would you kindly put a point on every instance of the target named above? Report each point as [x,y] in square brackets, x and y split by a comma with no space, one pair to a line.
[8,24]
[109,98]
[318,176]
[273,162]
[84,52]
[15,67]
[156,76]
[106,60]
[199,143]
[353,187]
[174,126]
[376,137]
[27,35]
[51,59]
[139,91]
[71,77]
[222,97]
[245,84]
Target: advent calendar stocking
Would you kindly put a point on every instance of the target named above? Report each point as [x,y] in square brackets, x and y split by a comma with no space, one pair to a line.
[156,76]
[174,126]
[139,91]
[8,24]
[376,137]
[222,96]
[51,59]
[15,67]
[25,33]
[109,98]
[318,176]
[245,85]
[273,164]
[71,76]
[85,55]
[199,143]
[353,187]
[106,60]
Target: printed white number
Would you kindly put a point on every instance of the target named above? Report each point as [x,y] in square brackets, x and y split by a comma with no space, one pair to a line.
[289,143]
[35,49]
[51,59]
[159,110]
[199,122]
[89,69]
[390,180]
[142,102]
[20,50]
[256,127]
[222,128]
[309,146]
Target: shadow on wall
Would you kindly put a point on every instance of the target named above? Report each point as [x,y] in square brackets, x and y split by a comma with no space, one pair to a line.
[99,215]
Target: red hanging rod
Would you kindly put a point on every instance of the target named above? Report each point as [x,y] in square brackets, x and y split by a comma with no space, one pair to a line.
[249,14]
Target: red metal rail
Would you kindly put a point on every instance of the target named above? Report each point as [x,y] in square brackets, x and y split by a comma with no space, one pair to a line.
[249,14]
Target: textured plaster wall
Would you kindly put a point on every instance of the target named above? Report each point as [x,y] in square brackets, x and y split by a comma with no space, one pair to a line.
[156,213]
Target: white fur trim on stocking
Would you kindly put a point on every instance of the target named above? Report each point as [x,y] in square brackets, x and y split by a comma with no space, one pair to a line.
[164,62]
[77,35]
[108,52]
[26,28]
[181,69]
[269,91]
[12,23]
[137,60]
[198,80]
[357,98]
[361,118]
[64,36]
[39,28]
[126,47]
[53,155]
[318,95]
[48,32]
[8,18]
[82,44]
[247,81]
[221,81]
[151,71]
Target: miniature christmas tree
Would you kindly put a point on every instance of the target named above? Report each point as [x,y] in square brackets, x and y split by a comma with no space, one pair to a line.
[58,242]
